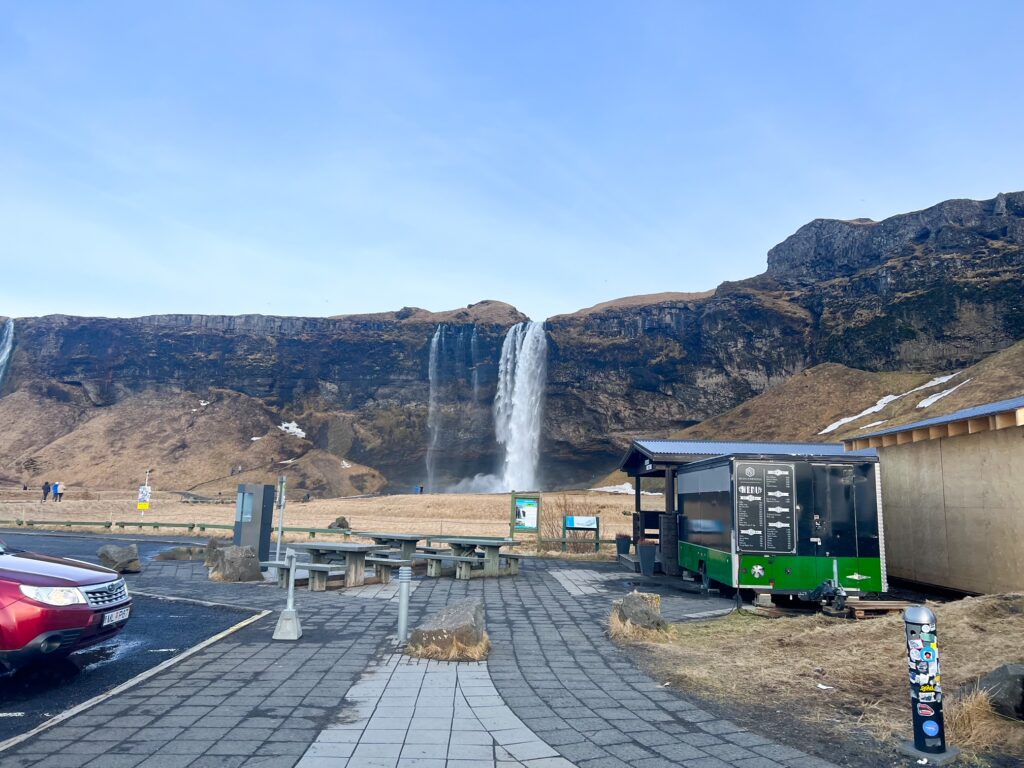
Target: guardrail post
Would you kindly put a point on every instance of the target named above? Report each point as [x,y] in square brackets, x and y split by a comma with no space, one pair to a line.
[404,585]
[925,689]
[288,626]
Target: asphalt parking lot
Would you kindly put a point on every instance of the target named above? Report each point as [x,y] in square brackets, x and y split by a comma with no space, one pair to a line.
[158,630]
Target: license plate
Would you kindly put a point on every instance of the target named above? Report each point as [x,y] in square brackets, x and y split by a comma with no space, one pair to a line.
[115,616]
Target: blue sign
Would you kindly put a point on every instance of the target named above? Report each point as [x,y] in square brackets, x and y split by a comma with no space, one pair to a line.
[930,728]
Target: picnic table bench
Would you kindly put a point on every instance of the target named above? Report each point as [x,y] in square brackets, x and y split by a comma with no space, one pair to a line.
[473,557]
[336,557]
[405,543]
[328,569]
[384,567]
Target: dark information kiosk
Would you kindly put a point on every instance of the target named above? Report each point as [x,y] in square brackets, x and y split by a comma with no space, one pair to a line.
[254,518]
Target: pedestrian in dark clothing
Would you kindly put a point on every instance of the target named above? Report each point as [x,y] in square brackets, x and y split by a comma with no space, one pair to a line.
[46,489]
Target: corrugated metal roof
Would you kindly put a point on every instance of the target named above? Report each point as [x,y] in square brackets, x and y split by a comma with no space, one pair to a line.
[717,448]
[965,413]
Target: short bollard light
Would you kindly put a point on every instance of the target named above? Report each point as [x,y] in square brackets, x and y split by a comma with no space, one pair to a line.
[926,688]
[404,585]
[288,626]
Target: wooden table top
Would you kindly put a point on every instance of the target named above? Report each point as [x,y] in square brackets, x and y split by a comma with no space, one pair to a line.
[394,536]
[332,546]
[469,541]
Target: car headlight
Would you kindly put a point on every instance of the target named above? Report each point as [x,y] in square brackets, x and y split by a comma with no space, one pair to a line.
[54,595]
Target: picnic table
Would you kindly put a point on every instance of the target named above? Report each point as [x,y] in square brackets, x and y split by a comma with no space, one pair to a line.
[467,547]
[405,543]
[349,555]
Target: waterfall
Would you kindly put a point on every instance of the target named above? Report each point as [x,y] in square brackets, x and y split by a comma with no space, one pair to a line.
[518,403]
[433,404]
[474,353]
[6,345]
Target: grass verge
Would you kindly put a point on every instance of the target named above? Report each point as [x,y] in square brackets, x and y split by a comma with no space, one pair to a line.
[835,674]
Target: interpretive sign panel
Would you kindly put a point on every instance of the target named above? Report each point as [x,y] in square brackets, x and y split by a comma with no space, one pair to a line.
[579,523]
[525,512]
[765,507]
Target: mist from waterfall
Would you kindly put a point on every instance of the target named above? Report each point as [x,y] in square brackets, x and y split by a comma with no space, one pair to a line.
[6,345]
[518,407]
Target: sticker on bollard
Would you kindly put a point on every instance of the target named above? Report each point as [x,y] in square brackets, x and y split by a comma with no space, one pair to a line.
[925,688]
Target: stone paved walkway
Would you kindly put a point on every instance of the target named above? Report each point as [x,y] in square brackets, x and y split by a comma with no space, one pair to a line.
[562,693]
[428,714]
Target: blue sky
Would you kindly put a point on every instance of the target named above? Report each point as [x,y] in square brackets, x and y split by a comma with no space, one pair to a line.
[331,158]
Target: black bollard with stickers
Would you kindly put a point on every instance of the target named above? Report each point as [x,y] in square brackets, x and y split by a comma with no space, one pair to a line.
[926,687]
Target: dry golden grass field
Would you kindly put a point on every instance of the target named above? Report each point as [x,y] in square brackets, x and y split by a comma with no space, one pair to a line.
[438,514]
[749,659]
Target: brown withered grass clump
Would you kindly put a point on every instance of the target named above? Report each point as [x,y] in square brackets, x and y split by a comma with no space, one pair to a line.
[623,630]
[746,658]
[456,651]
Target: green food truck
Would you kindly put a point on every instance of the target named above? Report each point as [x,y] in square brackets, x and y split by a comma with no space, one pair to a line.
[775,518]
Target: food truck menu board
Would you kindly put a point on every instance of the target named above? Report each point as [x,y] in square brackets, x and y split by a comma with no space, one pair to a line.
[765,507]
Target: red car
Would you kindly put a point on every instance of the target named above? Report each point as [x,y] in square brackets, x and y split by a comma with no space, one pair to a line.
[53,606]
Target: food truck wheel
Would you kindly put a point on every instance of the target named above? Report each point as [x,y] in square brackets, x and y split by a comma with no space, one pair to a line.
[705,580]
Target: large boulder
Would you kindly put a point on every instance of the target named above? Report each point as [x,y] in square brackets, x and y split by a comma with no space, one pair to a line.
[456,633]
[211,552]
[1005,688]
[641,609]
[235,564]
[120,559]
[341,522]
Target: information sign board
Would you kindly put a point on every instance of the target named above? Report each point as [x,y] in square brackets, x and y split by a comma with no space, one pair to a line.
[765,507]
[525,512]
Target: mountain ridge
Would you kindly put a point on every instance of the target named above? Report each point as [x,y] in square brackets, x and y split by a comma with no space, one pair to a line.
[889,300]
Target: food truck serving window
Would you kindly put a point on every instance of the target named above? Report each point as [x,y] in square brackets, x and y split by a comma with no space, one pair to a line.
[765,496]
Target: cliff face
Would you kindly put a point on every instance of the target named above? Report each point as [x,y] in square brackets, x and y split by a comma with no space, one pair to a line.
[929,291]
[358,385]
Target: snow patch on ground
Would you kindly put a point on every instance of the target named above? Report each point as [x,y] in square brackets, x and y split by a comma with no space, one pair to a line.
[287,461]
[204,403]
[254,439]
[936,397]
[891,399]
[291,428]
[934,383]
[623,488]
[346,464]
[873,424]
[872,409]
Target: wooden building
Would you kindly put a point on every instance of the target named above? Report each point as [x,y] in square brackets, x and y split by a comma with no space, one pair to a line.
[953,492]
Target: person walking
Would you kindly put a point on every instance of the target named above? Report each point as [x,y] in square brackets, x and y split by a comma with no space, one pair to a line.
[60,491]
[46,489]
[55,490]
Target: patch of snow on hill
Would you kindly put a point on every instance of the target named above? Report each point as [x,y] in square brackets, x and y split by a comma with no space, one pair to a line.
[291,428]
[934,398]
[872,409]
[254,439]
[873,424]
[345,464]
[890,399]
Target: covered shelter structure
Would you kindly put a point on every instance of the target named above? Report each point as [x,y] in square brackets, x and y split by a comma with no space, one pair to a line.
[953,497]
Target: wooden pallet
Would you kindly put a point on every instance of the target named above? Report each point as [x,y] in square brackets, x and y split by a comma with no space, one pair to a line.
[855,609]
